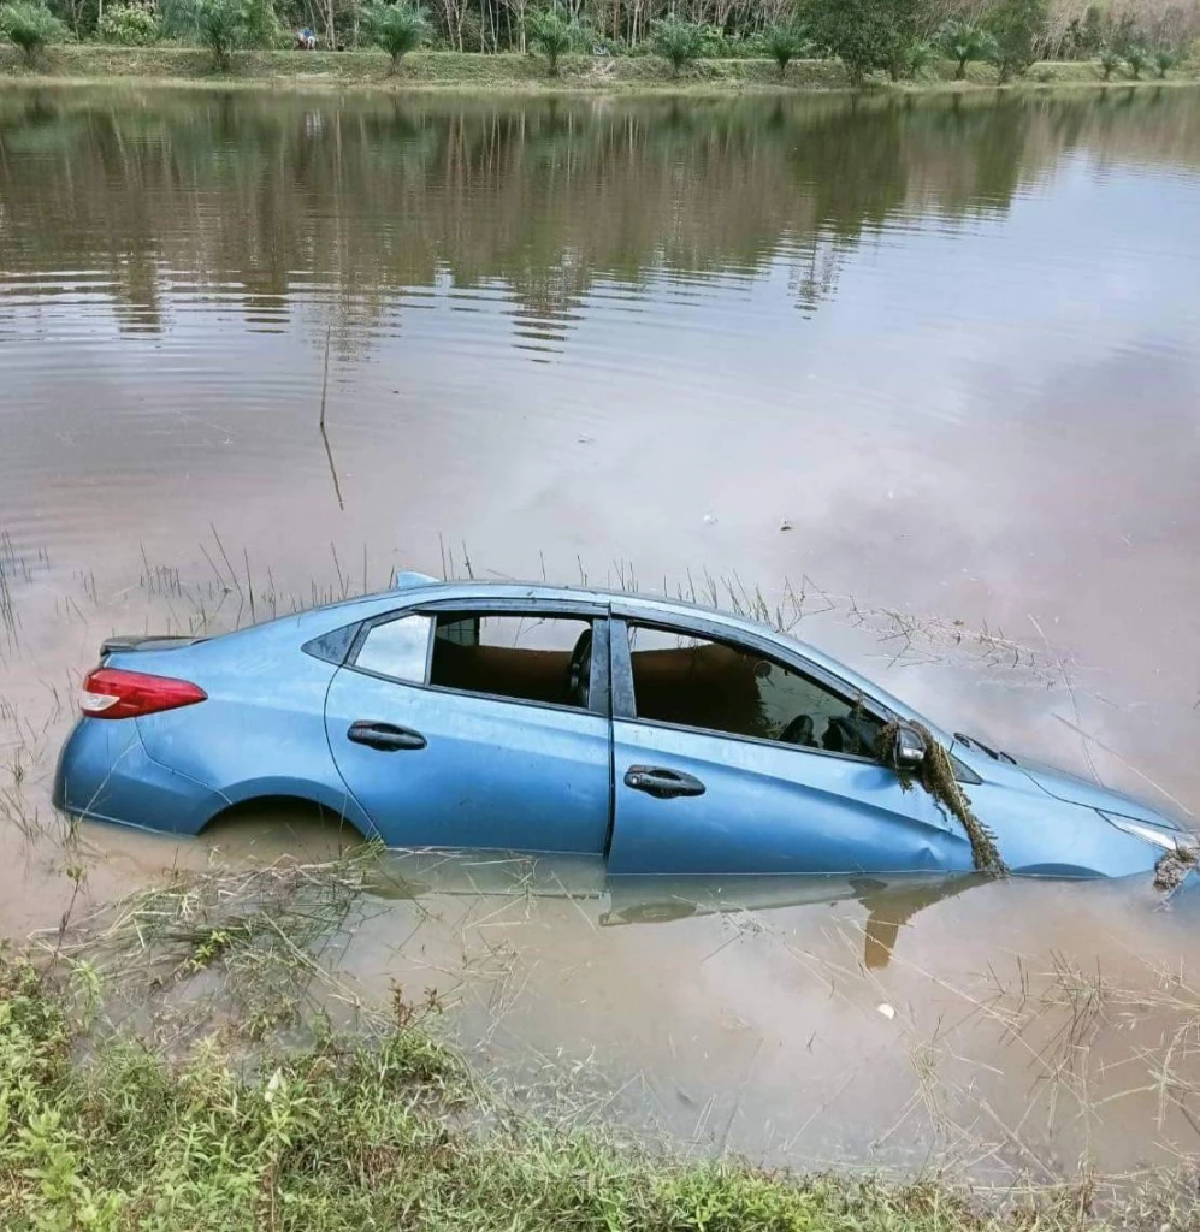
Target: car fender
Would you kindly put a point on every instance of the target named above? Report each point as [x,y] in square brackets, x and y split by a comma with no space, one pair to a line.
[336,799]
[261,731]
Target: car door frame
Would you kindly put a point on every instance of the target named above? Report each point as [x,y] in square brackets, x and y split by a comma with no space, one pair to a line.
[620,671]
[624,703]
[594,611]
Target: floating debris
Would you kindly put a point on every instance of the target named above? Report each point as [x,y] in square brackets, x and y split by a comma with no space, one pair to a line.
[1172,870]
[936,775]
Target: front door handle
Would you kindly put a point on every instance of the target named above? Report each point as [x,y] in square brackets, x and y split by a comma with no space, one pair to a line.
[386,737]
[661,783]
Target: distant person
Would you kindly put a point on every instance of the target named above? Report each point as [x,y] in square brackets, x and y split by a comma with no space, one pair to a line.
[306,40]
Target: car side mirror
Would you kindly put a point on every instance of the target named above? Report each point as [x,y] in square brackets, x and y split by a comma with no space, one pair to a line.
[908,751]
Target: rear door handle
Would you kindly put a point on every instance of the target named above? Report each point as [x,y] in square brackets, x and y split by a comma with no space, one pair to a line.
[386,737]
[662,783]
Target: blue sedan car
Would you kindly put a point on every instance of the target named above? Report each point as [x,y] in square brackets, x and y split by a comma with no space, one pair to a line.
[662,737]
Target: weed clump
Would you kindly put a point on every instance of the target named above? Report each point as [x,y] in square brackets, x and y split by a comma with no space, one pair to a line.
[1171,871]
[936,776]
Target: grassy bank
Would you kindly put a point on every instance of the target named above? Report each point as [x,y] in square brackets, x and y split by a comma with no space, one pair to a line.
[452,71]
[172,1061]
[391,1132]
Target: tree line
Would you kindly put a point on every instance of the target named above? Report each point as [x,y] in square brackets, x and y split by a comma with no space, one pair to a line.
[900,38]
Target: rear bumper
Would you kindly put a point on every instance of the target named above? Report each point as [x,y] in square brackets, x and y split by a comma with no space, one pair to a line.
[105,774]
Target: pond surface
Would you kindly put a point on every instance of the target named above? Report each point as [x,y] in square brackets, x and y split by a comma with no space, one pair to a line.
[925,371]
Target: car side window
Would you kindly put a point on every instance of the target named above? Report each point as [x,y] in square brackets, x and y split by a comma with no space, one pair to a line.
[398,649]
[717,686]
[533,658]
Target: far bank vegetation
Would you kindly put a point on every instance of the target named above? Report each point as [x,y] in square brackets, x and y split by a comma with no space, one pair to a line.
[872,39]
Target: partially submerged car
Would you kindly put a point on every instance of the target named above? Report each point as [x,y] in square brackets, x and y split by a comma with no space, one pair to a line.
[663,737]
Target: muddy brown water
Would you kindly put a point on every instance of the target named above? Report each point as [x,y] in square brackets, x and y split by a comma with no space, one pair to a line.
[927,370]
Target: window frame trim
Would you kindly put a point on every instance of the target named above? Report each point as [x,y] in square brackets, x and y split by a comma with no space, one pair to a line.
[624,704]
[595,614]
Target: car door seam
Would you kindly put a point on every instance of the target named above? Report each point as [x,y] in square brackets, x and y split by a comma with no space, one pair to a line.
[349,791]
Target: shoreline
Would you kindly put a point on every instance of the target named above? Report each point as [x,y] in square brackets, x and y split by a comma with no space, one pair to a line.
[511,73]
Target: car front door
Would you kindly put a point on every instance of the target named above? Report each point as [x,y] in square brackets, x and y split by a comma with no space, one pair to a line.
[728,759]
[478,727]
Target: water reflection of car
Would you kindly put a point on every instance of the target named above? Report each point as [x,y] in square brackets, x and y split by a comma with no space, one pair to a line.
[609,901]
[664,737]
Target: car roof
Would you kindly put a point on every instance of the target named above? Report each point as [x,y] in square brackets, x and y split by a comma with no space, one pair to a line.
[415,589]
[626,600]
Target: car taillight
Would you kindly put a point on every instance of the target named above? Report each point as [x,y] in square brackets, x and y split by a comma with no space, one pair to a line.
[110,693]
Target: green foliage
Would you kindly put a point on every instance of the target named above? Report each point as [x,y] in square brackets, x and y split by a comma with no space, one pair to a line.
[260,27]
[677,41]
[31,27]
[221,25]
[1125,33]
[1110,61]
[177,18]
[964,41]
[1084,39]
[398,28]
[713,44]
[865,34]
[552,35]
[1138,60]
[785,42]
[1016,26]
[130,25]
[1164,62]
[918,57]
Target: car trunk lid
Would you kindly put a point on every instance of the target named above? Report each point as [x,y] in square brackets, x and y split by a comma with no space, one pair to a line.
[137,643]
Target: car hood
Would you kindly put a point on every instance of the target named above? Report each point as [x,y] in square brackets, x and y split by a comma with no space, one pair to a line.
[1075,790]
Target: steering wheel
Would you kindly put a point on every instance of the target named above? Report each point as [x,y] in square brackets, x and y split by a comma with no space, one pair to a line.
[801,730]
[579,678]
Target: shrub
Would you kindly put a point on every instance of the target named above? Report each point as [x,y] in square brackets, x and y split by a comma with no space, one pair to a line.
[177,18]
[397,28]
[786,42]
[31,27]
[1110,61]
[1016,26]
[864,34]
[677,41]
[1137,59]
[221,25]
[918,57]
[1164,62]
[552,35]
[130,25]
[962,42]
[712,43]
[260,26]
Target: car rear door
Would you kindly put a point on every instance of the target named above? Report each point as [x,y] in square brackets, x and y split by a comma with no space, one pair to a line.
[690,798]
[430,735]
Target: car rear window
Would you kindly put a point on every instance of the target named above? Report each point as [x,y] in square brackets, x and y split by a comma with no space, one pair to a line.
[398,649]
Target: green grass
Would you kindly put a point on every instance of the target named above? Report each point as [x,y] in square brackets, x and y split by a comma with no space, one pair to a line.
[389,1131]
[505,72]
